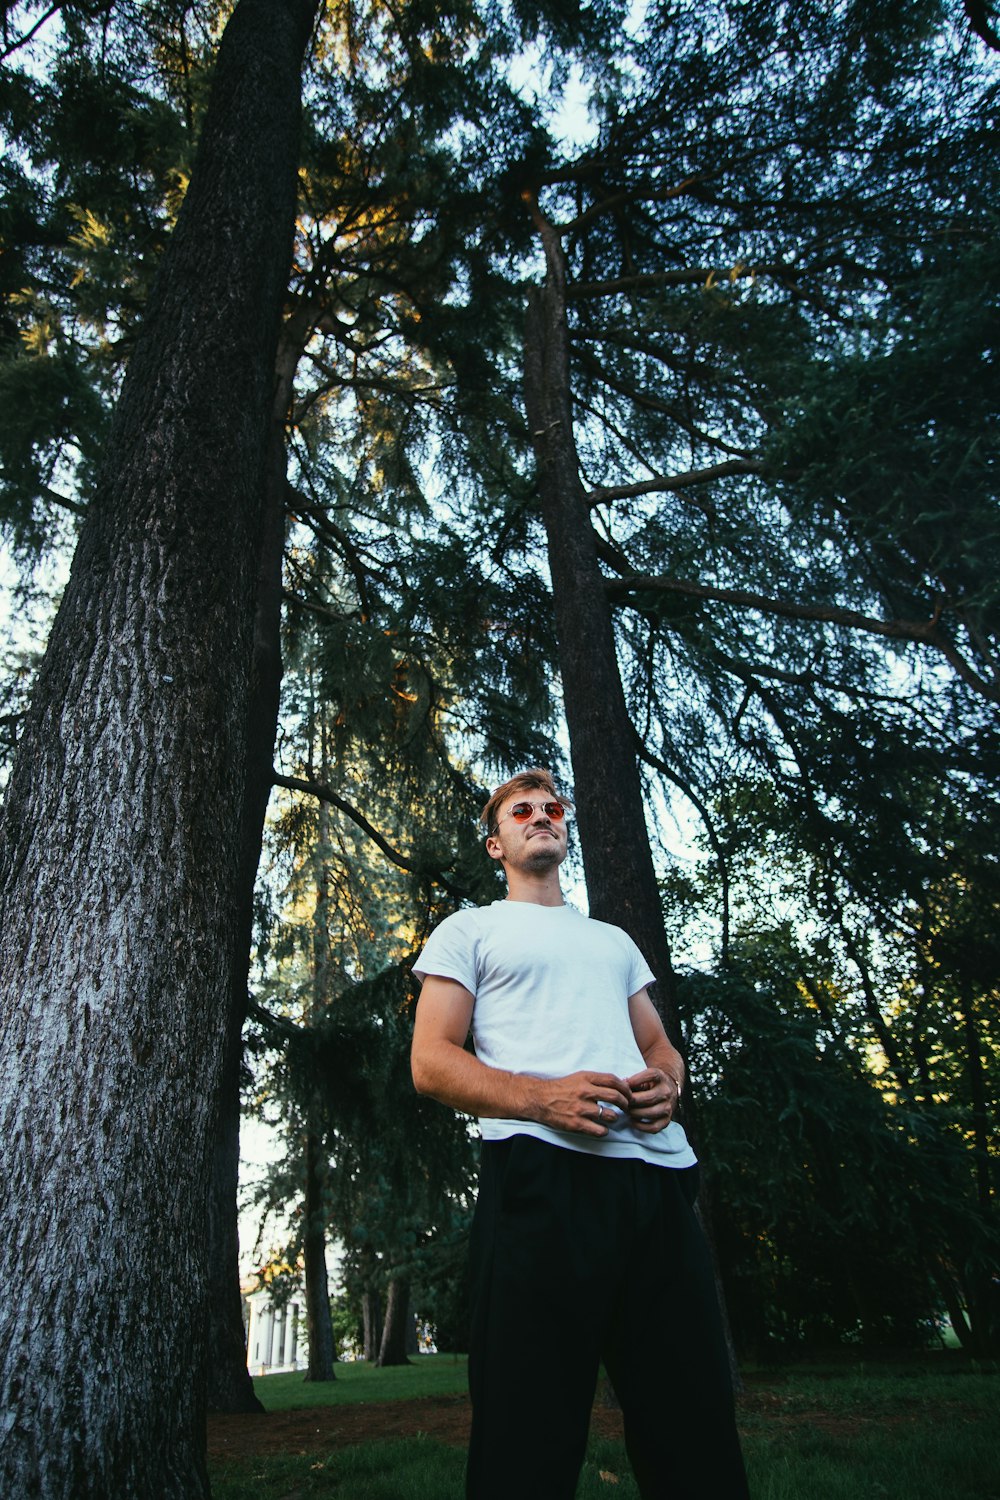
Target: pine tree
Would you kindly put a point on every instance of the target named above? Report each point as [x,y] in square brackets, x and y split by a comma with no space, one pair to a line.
[122,823]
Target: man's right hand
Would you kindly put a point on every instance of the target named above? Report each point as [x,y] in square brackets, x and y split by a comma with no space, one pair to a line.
[576,1102]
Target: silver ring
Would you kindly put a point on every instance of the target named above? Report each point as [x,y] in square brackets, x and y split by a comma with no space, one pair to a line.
[600,1111]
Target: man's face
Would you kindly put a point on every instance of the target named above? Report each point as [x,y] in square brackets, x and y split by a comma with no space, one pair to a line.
[537,842]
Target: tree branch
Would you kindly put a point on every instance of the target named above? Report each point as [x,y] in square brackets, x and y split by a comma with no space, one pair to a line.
[321,522]
[649,281]
[64,501]
[979,20]
[601,494]
[658,764]
[21,41]
[652,403]
[324,793]
[624,196]
[922,632]
[325,611]
[289,1030]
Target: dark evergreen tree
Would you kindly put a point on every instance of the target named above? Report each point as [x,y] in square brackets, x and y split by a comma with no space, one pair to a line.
[122,822]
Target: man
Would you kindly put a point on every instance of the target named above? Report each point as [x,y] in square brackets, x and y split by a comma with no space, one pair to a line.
[584,1244]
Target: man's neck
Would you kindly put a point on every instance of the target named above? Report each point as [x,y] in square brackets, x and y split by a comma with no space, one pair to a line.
[542,889]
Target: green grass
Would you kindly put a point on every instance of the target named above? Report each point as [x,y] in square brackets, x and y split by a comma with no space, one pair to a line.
[404,1469]
[426,1375]
[914,1432]
[867,1392]
[959,1460]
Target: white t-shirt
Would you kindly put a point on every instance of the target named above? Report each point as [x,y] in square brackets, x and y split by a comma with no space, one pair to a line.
[551,988]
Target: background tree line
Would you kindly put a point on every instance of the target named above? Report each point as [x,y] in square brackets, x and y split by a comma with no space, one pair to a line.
[671,421]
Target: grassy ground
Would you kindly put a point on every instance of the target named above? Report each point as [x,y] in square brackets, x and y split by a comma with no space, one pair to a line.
[915,1432]
[426,1375]
[909,1434]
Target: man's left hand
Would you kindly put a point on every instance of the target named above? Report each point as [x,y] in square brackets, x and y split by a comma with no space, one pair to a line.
[656,1097]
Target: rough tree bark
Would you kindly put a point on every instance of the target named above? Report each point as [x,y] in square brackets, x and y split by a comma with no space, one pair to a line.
[617,862]
[121,835]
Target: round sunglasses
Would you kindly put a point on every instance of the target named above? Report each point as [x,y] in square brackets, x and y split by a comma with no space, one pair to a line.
[522,811]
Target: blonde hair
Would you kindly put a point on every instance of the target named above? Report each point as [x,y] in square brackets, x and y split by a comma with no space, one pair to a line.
[536,778]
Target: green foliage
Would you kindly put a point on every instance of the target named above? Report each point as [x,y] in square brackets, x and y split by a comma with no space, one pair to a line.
[894,445]
[97,160]
[818,1163]
[810,1188]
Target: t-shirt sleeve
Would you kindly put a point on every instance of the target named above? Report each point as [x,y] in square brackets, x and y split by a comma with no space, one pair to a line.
[450,951]
[640,974]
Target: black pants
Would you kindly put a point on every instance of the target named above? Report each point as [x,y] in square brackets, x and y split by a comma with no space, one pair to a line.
[578,1259]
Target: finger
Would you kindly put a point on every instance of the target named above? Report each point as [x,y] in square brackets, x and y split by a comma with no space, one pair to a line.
[590,1124]
[613,1104]
[616,1090]
[608,1111]
[658,1112]
[608,1081]
[646,1104]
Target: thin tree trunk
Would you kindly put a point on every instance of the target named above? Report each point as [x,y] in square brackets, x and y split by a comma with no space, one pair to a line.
[392,1350]
[319,1323]
[121,847]
[230,1388]
[614,842]
[947,1284]
[371,1307]
[980,1104]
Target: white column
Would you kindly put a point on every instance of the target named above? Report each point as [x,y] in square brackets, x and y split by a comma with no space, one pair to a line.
[268,1341]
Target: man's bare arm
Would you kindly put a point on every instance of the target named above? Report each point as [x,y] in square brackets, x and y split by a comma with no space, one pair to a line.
[443,1069]
[657,1089]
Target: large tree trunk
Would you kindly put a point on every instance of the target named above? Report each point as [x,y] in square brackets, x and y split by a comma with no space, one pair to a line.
[121,838]
[397,1316]
[618,865]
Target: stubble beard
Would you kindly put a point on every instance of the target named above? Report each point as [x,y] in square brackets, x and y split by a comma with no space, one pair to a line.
[546,856]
